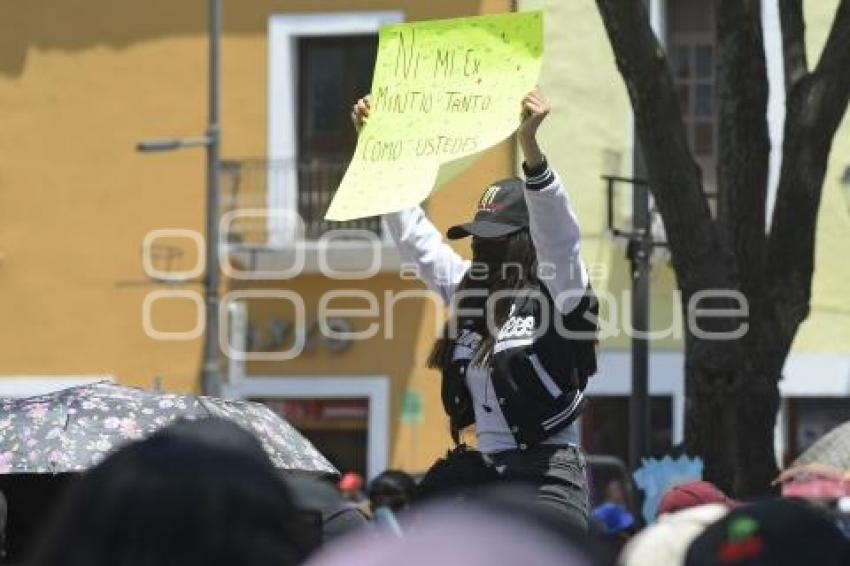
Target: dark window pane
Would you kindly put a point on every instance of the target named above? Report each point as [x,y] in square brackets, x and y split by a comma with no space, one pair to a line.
[704,61]
[363,58]
[704,138]
[684,92]
[333,72]
[689,16]
[324,90]
[682,61]
[704,100]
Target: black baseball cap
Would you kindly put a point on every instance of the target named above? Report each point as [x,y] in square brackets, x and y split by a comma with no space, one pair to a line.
[776,532]
[501,211]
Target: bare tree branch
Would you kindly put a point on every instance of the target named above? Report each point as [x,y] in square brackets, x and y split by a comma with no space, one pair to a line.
[815,107]
[731,386]
[744,148]
[793,41]
[674,177]
[835,58]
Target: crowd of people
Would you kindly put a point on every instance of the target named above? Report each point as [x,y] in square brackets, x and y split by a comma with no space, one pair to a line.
[204,492]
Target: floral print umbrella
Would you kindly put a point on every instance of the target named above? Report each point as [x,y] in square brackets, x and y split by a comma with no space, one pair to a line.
[74,429]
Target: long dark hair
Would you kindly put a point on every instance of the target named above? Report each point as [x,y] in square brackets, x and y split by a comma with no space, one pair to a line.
[517,271]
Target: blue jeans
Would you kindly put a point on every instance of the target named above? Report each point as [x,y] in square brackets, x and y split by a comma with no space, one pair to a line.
[558,473]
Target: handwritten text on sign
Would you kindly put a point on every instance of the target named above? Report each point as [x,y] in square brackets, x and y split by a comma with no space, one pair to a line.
[443,90]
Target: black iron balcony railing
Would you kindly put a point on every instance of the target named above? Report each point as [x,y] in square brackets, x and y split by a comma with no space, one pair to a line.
[306,187]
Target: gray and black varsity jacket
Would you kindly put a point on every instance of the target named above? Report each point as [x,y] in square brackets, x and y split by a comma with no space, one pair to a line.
[538,372]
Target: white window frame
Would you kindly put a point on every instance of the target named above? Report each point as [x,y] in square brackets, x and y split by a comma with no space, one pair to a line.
[284,30]
[374,388]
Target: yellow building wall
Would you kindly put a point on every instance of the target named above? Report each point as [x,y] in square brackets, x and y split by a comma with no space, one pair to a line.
[80,84]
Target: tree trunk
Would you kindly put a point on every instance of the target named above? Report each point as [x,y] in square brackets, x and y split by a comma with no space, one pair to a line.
[732,395]
[730,418]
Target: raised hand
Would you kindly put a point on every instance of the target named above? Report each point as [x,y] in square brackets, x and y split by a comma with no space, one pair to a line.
[535,108]
[360,113]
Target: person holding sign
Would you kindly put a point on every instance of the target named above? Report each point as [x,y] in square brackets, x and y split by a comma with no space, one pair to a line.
[519,347]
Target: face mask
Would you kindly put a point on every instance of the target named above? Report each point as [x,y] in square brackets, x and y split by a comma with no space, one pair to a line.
[489,252]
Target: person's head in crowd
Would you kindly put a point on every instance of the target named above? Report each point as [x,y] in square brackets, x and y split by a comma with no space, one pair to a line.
[392,489]
[692,494]
[504,261]
[459,475]
[453,534]
[321,503]
[351,486]
[814,483]
[778,532]
[615,492]
[614,524]
[200,492]
[665,542]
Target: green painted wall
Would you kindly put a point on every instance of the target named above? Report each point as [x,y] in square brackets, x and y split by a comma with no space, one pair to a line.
[828,328]
[589,134]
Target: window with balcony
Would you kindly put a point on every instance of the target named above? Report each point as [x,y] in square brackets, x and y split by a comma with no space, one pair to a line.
[274,205]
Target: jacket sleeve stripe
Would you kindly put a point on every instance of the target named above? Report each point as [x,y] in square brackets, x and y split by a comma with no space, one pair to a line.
[555,420]
[544,377]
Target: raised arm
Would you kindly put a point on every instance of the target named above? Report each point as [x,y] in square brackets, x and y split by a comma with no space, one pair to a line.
[420,243]
[554,225]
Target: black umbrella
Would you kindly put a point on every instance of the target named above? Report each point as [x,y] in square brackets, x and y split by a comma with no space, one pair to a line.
[73,429]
